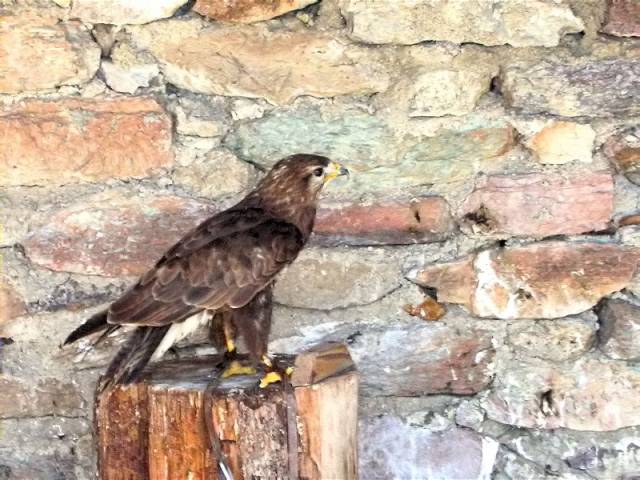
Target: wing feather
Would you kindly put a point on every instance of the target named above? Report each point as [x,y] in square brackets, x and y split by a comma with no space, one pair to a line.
[224,262]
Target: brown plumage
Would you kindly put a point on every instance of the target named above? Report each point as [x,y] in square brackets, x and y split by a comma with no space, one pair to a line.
[225,267]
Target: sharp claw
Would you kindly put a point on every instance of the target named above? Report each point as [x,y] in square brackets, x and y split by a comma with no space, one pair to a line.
[236,368]
[269,378]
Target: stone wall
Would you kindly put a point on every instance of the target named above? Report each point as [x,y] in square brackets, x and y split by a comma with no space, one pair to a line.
[495,150]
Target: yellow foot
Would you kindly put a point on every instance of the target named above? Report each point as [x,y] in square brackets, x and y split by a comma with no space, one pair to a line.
[269,378]
[289,371]
[267,361]
[236,368]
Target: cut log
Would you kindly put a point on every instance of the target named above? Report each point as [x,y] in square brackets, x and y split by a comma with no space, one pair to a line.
[160,427]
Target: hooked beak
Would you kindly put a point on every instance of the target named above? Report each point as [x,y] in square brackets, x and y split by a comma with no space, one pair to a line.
[334,170]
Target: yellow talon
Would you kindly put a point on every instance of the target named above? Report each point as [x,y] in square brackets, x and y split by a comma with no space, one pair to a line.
[236,368]
[289,371]
[269,378]
[231,347]
[267,361]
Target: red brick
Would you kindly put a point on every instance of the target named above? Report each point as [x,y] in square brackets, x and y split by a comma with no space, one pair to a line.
[113,233]
[542,280]
[75,140]
[421,220]
[623,18]
[247,11]
[539,205]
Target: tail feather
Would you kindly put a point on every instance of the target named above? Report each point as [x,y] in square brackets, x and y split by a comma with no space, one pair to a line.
[134,355]
[96,323]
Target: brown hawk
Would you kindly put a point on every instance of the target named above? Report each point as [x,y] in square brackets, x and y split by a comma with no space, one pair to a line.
[222,272]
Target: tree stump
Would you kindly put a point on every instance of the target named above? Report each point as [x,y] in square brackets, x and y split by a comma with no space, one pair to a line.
[160,427]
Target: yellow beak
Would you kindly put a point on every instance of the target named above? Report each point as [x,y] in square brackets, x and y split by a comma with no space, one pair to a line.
[334,170]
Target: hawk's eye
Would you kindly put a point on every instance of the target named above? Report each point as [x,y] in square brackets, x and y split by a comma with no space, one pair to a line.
[318,172]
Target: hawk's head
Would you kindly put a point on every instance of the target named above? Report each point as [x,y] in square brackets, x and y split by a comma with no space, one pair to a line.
[300,177]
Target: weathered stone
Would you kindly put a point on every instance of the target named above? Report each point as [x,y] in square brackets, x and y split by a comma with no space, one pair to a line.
[39,53]
[521,23]
[423,358]
[541,280]
[121,12]
[350,136]
[200,116]
[76,140]
[448,157]
[128,70]
[593,88]
[247,11]
[588,394]
[326,279]
[623,151]
[623,18]
[429,310]
[11,304]
[389,448]
[21,398]
[555,340]
[619,334]
[250,61]
[112,233]
[219,174]
[563,142]
[446,92]
[539,205]
[420,220]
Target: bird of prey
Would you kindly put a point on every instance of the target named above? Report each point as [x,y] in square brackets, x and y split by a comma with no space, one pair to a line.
[221,273]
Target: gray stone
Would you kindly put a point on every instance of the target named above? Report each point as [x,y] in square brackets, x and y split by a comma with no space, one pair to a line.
[200,115]
[391,449]
[347,135]
[324,279]
[219,174]
[122,12]
[594,88]
[619,334]
[423,358]
[555,340]
[521,23]
[590,394]
[128,69]
[38,397]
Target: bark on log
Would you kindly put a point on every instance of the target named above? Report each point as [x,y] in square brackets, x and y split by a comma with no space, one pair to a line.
[158,428]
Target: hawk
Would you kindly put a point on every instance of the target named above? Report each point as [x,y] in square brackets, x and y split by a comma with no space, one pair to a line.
[222,273]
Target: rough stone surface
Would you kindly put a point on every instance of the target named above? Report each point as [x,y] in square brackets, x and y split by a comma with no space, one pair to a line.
[542,280]
[563,142]
[619,333]
[200,116]
[327,279]
[11,304]
[405,451]
[79,140]
[249,61]
[520,23]
[39,53]
[438,359]
[623,151]
[446,92]
[219,174]
[623,18]
[539,205]
[247,11]
[594,88]
[589,394]
[128,70]
[121,12]
[420,220]
[554,340]
[46,397]
[112,233]
[350,136]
